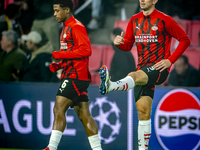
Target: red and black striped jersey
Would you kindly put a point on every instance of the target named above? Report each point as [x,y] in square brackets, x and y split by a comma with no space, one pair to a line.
[75,43]
[152,35]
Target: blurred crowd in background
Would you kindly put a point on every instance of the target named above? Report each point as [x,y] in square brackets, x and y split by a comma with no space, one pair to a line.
[30,33]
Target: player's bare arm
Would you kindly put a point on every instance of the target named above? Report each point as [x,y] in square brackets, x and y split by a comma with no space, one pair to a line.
[163,64]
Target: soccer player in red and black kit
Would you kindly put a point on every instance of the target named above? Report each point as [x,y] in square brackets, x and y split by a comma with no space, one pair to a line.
[152,32]
[74,53]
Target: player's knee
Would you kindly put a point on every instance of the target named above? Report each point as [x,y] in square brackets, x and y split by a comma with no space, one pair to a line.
[55,110]
[143,115]
[58,111]
[131,74]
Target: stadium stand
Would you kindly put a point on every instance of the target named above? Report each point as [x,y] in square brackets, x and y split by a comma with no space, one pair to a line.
[96,57]
[121,24]
[102,54]
[95,62]
[195,33]
[193,57]
[107,56]
[184,24]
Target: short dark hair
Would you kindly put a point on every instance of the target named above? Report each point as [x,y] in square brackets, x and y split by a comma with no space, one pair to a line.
[185,59]
[65,3]
[12,10]
[117,31]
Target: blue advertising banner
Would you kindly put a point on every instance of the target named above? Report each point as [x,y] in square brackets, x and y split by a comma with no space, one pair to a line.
[26,118]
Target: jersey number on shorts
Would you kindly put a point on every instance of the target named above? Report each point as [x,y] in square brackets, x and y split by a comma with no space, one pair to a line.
[64,84]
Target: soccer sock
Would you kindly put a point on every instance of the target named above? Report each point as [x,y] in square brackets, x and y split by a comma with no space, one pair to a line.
[95,142]
[144,133]
[124,84]
[54,139]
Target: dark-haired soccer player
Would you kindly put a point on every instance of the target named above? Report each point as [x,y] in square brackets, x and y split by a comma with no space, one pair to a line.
[74,52]
[152,31]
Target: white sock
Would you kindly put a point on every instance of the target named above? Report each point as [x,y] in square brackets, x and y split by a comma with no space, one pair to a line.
[124,84]
[144,133]
[95,142]
[54,139]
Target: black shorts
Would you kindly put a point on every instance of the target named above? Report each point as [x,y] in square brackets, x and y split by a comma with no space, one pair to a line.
[155,77]
[75,90]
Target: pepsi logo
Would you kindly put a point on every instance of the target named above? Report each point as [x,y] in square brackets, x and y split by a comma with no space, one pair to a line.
[177,120]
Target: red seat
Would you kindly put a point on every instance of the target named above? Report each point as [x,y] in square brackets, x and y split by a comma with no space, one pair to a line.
[121,24]
[194,33]
[135,54]
[107,56]
[193,54]
[96,57]
[95,78]
[95,62]
[185,25]
[193,57]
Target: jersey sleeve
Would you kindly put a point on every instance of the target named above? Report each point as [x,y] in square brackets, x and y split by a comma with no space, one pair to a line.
[82,47]
[128,37]
[177,32]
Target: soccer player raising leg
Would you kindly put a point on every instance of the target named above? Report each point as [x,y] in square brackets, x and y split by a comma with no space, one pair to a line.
[151,30]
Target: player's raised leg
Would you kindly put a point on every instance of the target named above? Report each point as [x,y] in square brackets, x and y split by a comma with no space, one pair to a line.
[60,108]
[134,78]
[144,125]
[83,113]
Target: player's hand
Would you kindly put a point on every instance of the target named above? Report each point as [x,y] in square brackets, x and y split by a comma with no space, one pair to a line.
[119,39]
[55,67]
[162,65]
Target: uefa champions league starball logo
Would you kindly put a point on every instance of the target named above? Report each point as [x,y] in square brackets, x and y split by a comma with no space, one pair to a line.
[107,116]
